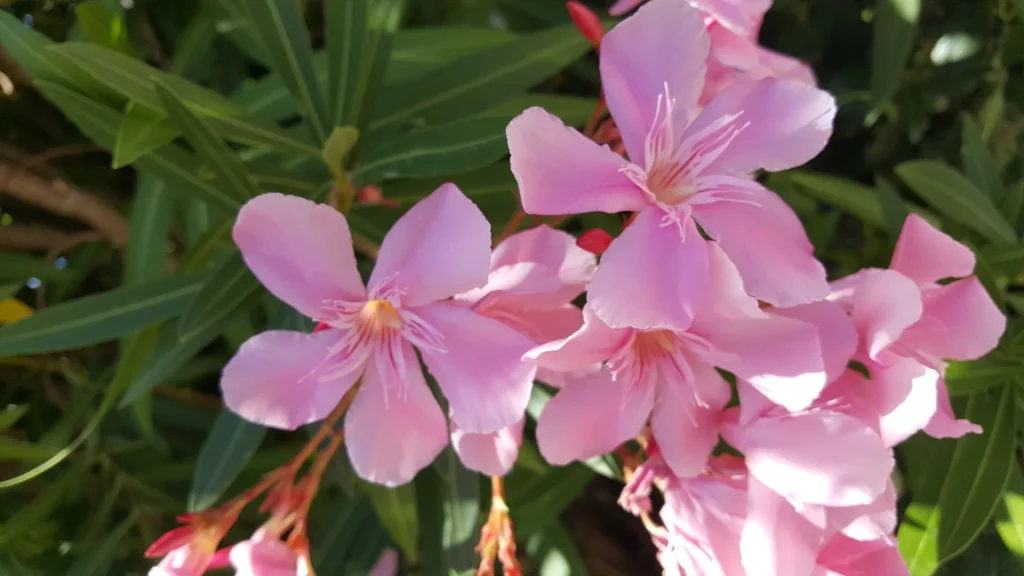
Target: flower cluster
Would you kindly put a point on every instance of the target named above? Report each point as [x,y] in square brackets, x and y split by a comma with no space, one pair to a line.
[766,400]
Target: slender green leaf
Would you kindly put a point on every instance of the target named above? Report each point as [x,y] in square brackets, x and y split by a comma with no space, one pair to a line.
[573,110]
[194,43]
[447,149]
[1007,260]
[98,318]
[224,454]
[481,80]
[956,487]
[141,131]
[849,196]
[893,209]
[1010,515]
[102,26]
[10,415]
[97,561]
[979,165]
[215,240]
[18,266]
[895,27]
[382,22]
[964,378]
[345,24]
[953,195]
[555,552]
[336,150]
[396,510]
[30,49]
[234,24]
[283,35]
[14,450]
[537,502]
[147,235]
[100,123]
[352,540]
[226,292]
[226,164]
[39,508]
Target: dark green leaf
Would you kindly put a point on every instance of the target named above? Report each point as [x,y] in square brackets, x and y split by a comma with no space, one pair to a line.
[481,80]
[953,195]
[38,509]
[396,510]
[96,562]
[223,296]
[194,44]
[1010,515]
[345,23]
[30,49]
[18,266]
[573,110]
[447,149]
[537,502]
[147,236]
[283,35]
[857,199]
[235,25]
[224,454]
[979,165]
[352,540]
[102,26]
[893,209]
[10,415]
[555,552]
[14,450]
[895,27]
[141,131]
[226,164]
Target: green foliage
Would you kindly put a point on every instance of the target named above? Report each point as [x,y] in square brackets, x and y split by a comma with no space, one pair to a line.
[110,417]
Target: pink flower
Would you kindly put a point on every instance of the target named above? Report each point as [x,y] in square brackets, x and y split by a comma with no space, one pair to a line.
[534,276]
[265,555]
[302,252]
[742,16]
[187,550]
[909,324]
[387,564]
[669,375]
[683,168]
[735,58]
[844,556]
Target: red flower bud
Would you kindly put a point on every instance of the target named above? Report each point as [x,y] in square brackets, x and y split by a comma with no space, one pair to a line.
[586,22]
[172,540]
[595,241]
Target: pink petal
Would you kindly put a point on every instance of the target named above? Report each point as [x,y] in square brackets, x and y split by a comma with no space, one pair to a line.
[591,415]
[300,250]
[387,564]
[944,424]
[548,325]
[482,373]
[726,298]
[555,249]
[836,334]
[491,454]
[778,65]
[844,556]
[906,392]
[394,428]
[796,456]
[561,171]
[740,16]
[274,380]
[661,48]
[622,6]
[884,305]
[594,342]
[776,540]
[870,522]
[437,249]
[960,322]
[270,557]
[786,124]
[926,255]
[685,419]
[767,244]
[779,356]
[650,278]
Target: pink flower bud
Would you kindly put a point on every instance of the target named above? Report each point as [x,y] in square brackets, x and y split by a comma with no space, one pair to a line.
[586,22]
[595,241]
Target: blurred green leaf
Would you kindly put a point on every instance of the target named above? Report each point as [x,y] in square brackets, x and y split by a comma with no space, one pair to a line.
[14,450]
[895,27]
[30,49]
[555,552]
[893,208]
[857,199]
[955,486]
[147,237]
[979,164]
[194,43]
[479,81]
[102,26]
[573,110]
[226,164]
[18,266]
[282,33]
[99,317]
[96,562]
[227,291]
[141,131]
[39,508]
[224,454]
[447,149]
[969,377]
[336,150]
[537,502]
[235,24]
[351,541]
[448,500]
[953,47]
[953,195]
[345,24]
[1010,516]
[396,510]
[10,415]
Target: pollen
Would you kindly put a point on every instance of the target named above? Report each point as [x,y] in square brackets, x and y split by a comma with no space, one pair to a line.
[381,314]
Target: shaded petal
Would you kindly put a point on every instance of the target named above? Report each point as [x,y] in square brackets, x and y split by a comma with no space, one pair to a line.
[960,322]
[662,48]
[882,306]
[740,16]
[300,250]
[482,373]
[785,124]
[836,334]
[848,557]
[274,379]
[387,564]
[685,419]
[776,540]
[541,326]
[561,171]
[907,398]
[650,278]
[265,557]
[726,298]
[594,342]
[777,65]
[622,6]
[870,522]
[394,428]
[796,456]
[944,424]
[926,255]
[766,242]
[779,356]
[439,248]
[491,454]
[590,416]
[555,249]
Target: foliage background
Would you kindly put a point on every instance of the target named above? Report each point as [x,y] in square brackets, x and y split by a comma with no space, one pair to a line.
[116,186]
